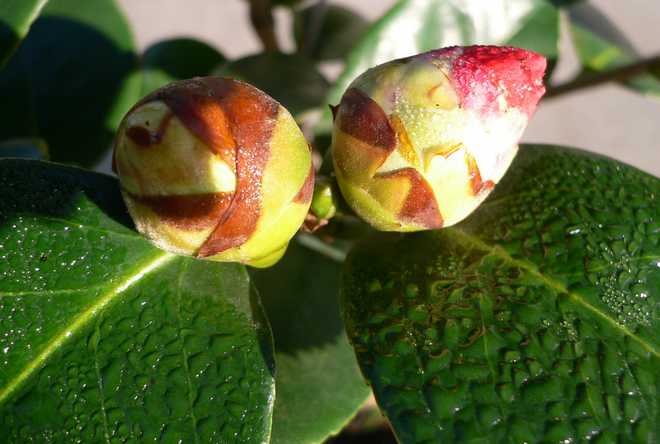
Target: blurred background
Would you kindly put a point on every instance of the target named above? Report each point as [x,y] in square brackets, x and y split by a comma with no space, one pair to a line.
[79,69]
[607,119]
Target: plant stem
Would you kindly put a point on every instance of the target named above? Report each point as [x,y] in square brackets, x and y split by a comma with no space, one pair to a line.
[261,16]
[316,244]
[619,74]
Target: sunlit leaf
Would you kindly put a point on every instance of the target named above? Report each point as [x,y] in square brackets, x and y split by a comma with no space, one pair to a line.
[104,337]
[534,320]
[16,17]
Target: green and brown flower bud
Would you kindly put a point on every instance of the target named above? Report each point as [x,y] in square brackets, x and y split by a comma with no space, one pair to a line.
[216,169]
[418,143]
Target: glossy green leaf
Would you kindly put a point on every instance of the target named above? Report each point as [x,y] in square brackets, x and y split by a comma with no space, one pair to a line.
[293,80]
[24,148]
[177,59]
[601,46]
[66,82]
[106,338]
[327,32]
[534,320]
[16,16]
[414,26]
[319,386]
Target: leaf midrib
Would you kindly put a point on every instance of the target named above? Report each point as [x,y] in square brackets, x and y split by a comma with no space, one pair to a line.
[553,284]
[184,353]
[80,321]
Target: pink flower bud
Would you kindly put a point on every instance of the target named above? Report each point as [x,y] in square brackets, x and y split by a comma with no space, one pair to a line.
[420,142]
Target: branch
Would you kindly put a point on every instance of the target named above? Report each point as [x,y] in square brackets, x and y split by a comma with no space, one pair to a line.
[261,16]
[619,74]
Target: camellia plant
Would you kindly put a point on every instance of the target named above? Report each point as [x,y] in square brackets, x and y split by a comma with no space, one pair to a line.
[263,267]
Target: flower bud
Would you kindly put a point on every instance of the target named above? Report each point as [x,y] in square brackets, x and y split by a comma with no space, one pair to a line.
[323,200]
[418,143]
[214,168]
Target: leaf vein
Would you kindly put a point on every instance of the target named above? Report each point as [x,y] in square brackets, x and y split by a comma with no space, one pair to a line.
[184,353]
[552,283]
[99,379]
[80,321]
[49,292]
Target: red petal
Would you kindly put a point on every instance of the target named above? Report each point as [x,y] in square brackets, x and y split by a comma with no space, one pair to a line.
[482,73]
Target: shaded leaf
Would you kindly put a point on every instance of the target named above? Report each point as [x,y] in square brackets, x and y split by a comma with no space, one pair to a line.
[63,84]
[327,32]
[24,148]
[319,386]
[176,59]
[104,337]
[293,80]
[601,46]
[16,16]
[534,320]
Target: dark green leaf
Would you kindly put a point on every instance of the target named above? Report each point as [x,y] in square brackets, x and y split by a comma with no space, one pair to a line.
[414,26]
[288,3]
[327,32]
[535,320]
[16,16]
[319,386]
[24,148]
[63,84]
[104,337]
[293,80]
[601,46]
[176,59]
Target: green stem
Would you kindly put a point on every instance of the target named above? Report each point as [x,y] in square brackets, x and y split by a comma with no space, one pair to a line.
[619,74]
[316,244]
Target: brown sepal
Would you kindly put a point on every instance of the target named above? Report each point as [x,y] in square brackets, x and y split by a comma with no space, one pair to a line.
[189,212]
[307,190]
[333,110]
[312,223]
[477,185]
[144,138]
[420,206]
[363,118]
[252,116]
